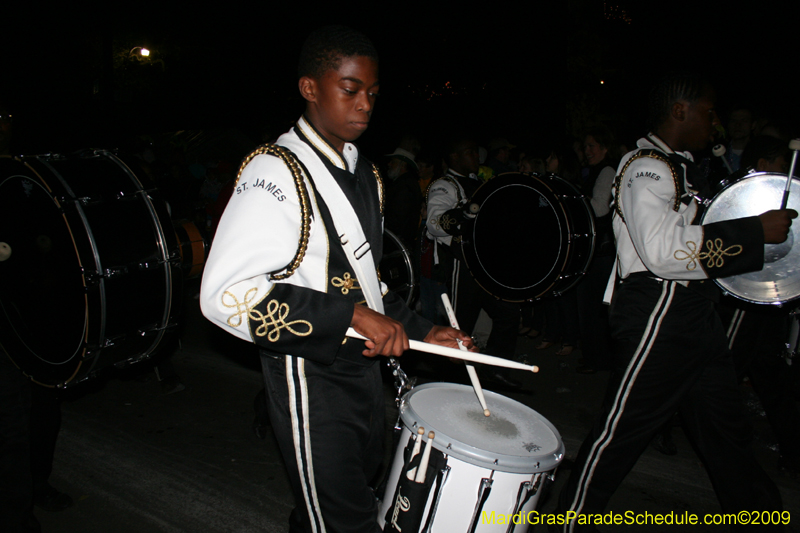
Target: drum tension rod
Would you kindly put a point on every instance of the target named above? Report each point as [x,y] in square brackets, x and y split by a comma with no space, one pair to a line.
[155,328]
[94,277]
[83,200]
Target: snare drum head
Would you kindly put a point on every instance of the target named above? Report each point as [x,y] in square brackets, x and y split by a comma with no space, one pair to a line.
[515,438]
[521,241]
[779,281]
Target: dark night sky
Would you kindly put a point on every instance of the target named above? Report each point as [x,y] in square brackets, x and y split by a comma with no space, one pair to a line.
[527,73]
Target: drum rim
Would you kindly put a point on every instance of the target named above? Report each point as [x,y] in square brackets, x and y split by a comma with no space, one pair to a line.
[470,454]
[409,263]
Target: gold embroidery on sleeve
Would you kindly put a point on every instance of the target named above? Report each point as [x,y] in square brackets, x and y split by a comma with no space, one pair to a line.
[346,282]
[715,254]
[445,222]
[270,320]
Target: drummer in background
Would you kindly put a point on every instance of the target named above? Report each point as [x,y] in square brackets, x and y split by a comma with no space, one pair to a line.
[670,349]
[448,197]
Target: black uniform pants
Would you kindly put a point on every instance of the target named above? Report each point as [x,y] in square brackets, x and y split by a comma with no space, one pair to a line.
[670,355]
[470,298]
[328,421]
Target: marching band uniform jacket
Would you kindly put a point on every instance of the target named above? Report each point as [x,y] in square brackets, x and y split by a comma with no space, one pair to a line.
[278,276]
[307,313]
[663,237]
[446,199]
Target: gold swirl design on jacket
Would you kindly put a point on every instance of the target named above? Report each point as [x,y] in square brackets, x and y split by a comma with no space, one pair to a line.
[446,222]
[346,282]
[271,323]
[715,254]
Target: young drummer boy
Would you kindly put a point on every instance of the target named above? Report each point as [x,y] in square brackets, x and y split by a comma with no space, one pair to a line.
[294,265]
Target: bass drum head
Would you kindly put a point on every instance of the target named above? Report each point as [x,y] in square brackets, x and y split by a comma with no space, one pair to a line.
[42,295]
[779,281]
[515,438]
[532,238]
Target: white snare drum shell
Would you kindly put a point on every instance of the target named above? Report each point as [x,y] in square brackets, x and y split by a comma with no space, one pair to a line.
[516,447]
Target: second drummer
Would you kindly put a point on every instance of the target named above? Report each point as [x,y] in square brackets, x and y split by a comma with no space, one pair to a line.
[670,347]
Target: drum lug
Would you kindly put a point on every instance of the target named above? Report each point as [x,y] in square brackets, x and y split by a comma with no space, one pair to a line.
[83,200]
[484,491]
[155,328]
[93,277]
[154,265]
[92,350]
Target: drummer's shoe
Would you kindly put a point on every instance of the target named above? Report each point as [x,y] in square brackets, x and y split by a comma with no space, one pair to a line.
[52,500]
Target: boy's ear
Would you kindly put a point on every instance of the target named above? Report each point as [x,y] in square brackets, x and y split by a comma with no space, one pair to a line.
[308,88]
[679,110]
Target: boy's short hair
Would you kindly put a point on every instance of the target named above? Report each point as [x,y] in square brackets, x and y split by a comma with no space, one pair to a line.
[670,89]
[324,49]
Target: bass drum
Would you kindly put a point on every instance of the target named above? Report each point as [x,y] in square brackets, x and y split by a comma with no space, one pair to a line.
[532,238]
[779,281]
[397,269]
[89,267]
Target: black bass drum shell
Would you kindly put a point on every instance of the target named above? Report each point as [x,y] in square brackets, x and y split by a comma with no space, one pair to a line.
[532,238]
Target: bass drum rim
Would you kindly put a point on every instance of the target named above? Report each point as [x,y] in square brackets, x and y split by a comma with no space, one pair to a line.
[573,217]
[737,200]
[401,252]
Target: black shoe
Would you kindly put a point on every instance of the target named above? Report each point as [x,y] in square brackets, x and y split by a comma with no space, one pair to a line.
[51,500]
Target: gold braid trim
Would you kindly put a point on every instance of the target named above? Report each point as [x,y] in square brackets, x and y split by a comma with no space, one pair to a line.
[380,185]
[290,160]
[618,181]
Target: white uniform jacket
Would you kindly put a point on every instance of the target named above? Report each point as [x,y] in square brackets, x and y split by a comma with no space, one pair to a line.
[445,194]
[307,313]
[655,223]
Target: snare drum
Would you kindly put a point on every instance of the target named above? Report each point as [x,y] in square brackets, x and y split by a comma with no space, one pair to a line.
[779,281]
[532,238]
[91,267]
[494,465]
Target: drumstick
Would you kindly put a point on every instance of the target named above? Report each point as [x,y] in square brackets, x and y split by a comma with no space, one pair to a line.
[415,451]
[426,457]
[719,151]
[794,146]
[473,376]
[455,354]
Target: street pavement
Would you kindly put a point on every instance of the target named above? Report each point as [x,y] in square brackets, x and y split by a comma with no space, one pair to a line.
[136,457]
